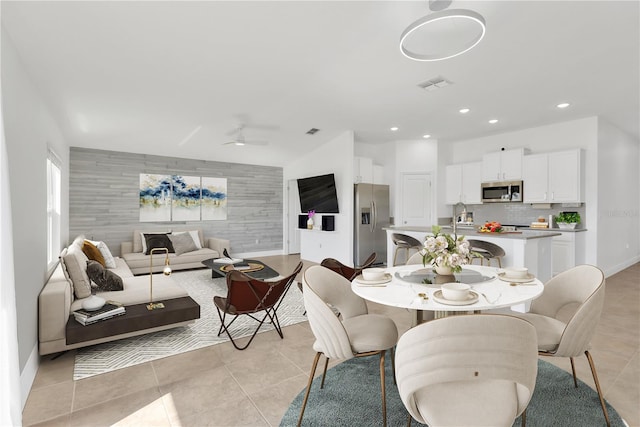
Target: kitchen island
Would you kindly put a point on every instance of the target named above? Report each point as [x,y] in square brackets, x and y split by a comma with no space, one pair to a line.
[526,248]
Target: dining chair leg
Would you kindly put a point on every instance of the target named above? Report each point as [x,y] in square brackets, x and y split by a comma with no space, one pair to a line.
[395,256]
[595,379]
[409,421]
[573,369]
[306,395]
[524,418]
[383,388]
[324,374]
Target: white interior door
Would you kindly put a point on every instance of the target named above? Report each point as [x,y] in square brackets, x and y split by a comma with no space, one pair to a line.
[293,210]
[416,200]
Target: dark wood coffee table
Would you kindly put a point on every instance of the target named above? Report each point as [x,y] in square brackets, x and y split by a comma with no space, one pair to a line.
[259,269]
[136,318]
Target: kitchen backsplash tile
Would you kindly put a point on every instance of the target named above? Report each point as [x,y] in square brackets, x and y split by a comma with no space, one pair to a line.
[518,213]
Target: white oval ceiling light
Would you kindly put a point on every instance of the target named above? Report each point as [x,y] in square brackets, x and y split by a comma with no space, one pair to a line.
[442,35]
[426,136]
[493,121]
[464,110]
[393,129]
[563,105]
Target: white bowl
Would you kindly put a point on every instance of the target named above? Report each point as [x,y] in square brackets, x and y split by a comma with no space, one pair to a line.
[516,272]
[373,273]
[455,291]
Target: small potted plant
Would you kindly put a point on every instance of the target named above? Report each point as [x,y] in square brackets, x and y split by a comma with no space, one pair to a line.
[310,223]
[568,219]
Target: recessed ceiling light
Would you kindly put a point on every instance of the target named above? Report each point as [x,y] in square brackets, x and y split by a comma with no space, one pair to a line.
[395,128]
[563,105]
[239,143]
[426,136]
[493,121]
[464,110]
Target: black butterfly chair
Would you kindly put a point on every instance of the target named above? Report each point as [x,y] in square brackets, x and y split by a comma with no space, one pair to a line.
[246,295]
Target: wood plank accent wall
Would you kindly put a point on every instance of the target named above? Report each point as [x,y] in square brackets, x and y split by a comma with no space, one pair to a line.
[104,199]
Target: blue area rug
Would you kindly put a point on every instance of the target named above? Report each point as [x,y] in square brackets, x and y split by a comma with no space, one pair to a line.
[351,397]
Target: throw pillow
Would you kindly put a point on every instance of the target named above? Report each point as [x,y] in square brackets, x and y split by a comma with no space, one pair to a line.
[182,243]
[76,263]
[158,241]
[194,235]
[92,252]
[109,261]
[142,246]
[105,280]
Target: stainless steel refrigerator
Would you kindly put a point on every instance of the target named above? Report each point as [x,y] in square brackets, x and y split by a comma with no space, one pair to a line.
[371,214]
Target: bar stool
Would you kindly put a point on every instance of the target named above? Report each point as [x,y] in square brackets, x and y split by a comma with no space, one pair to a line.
[402,241]
[486,250]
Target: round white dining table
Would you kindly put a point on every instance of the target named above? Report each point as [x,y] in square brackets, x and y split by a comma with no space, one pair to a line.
[413,287]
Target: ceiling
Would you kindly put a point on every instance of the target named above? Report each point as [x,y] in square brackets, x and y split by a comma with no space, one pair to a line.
[174,78]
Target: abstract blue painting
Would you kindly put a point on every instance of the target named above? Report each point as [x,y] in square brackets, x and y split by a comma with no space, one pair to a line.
[155,198]
[214,199]
[185,198]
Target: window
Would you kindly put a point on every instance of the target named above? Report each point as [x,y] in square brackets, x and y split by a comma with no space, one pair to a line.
[53,208]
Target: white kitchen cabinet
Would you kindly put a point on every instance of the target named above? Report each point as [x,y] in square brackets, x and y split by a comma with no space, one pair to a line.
[567,250]
[362,170]
[566,177]
[553,177]
[535,177]
[378,174]
[502,165]
[462,183]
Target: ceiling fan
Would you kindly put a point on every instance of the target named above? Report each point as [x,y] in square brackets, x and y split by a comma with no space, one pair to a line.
[239,138]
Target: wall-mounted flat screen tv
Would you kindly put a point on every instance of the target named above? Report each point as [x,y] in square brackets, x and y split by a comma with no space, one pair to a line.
[318,193]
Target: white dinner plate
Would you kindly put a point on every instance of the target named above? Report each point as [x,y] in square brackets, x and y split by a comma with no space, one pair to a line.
[471,298]
[503,276]
[361,281]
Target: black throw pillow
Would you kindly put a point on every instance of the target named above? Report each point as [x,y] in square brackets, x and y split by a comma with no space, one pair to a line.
[105,280]
[158,241]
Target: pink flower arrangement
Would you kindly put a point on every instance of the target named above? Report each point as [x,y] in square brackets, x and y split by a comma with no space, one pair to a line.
[310,214]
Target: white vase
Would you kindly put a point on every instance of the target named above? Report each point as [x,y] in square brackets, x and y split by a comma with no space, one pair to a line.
[443,270]
[310,224]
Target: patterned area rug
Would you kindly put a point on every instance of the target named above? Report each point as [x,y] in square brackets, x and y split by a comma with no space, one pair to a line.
[106,357]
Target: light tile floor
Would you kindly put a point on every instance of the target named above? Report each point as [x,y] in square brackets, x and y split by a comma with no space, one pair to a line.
[221,386]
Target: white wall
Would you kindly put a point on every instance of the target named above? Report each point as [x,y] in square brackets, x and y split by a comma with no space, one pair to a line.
[618,199]
[29,129]
[335,156]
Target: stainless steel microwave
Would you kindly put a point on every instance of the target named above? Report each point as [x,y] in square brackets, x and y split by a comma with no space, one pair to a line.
[502,192]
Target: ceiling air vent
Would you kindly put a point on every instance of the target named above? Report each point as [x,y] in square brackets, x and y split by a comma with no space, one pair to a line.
[312,131]
[434,83]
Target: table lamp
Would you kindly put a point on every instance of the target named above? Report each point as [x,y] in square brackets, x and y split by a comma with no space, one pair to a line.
[166,271]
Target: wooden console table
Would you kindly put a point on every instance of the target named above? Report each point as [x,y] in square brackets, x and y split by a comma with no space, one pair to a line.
[136,318]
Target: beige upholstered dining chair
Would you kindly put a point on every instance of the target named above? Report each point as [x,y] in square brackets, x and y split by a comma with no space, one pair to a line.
[356,333]
[475,370]
[566,316]
[415,259]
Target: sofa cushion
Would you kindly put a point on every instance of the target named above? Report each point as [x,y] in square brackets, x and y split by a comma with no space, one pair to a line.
[154,241]
[109,261]
[182,243]
[92,252]
[105,280]
[136,291]
[139,244]
[196,235]
[75,262]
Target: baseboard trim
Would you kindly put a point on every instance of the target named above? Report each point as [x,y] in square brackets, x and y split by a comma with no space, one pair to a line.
[28,375]
[258,254]
[619,267]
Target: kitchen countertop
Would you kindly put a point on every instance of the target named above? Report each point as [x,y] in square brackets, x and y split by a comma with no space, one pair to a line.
[525,234]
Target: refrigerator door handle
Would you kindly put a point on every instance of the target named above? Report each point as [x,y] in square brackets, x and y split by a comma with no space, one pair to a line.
[374,211]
